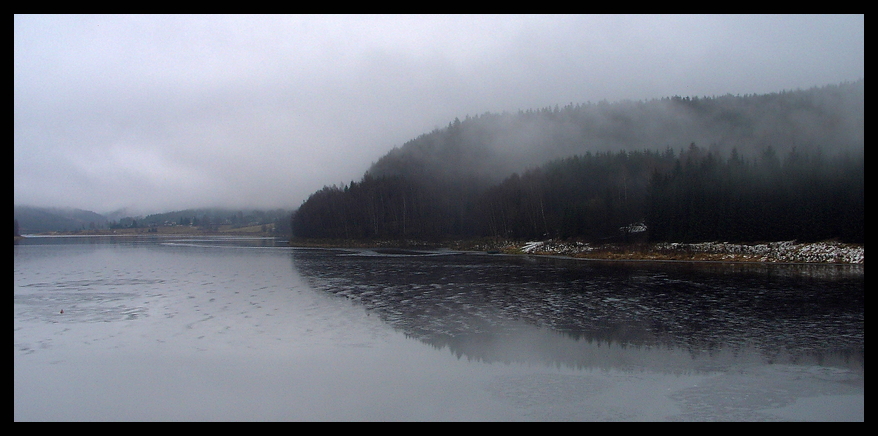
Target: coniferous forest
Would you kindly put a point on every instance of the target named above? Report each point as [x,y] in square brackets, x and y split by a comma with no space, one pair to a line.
[770,167]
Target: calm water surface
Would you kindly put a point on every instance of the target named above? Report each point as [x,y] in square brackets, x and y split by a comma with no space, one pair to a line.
[249,329]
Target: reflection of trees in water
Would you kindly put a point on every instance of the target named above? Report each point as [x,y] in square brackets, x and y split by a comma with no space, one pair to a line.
[558,349]
[564,311]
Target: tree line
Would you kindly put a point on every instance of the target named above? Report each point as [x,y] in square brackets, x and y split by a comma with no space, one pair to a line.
[806,196]
[694,195]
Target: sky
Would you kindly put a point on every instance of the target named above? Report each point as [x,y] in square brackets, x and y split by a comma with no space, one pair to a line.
[156,113]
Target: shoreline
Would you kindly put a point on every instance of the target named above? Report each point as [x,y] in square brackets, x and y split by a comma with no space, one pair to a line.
[823,252]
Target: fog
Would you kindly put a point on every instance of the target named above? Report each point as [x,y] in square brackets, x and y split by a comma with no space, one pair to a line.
[157,113]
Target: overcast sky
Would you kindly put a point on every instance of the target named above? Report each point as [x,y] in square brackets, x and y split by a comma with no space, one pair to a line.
[159,113]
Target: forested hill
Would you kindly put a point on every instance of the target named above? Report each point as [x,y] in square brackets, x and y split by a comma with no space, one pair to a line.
[786,165]
[493,146]
[46,219]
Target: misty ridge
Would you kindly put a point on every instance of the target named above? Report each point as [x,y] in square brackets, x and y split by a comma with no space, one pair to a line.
[493,146]
[785,165]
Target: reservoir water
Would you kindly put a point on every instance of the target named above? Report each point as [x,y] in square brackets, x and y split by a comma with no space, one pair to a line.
[245,329]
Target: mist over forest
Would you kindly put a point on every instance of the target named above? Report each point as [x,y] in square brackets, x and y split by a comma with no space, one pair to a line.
[779,166]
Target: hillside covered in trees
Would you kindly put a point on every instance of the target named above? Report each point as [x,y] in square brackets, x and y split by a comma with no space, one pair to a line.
[780,166]
[31,219]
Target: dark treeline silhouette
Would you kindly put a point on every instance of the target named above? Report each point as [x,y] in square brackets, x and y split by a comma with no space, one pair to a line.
[807,197]
[777,167]
[690,197]
[587,197]
[381,207]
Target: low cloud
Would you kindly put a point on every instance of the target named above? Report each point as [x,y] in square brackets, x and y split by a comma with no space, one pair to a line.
[165,112]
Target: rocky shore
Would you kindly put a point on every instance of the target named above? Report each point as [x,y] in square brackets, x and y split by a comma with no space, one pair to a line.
[782,251]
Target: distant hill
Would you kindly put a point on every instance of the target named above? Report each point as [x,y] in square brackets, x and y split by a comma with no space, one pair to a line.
[49,219]
[218,216]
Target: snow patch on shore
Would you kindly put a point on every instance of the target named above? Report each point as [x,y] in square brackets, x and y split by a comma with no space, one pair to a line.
[782,251]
